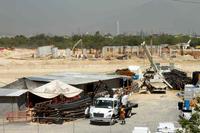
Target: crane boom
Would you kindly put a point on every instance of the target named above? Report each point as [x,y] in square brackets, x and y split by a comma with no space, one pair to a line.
[77,43]
[156,70]
[146,50]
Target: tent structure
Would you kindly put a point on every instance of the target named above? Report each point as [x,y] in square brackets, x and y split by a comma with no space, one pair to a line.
[56,88]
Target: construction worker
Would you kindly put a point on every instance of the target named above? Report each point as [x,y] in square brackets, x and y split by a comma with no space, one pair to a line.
[122,114]
[193,103]
[124,99]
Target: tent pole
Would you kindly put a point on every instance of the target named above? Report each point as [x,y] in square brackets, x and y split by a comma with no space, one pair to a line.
[27,100]
[12,104]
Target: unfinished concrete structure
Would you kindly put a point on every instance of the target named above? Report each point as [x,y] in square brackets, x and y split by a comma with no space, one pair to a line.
[119,50]
[113,51]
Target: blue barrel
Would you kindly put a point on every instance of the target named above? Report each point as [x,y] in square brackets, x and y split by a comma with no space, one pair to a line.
[187,104]
[135,77]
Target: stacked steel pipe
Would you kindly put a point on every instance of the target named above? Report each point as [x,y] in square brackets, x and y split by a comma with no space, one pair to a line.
[58,113]
[177,79]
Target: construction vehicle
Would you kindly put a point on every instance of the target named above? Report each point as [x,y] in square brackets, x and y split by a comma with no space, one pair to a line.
[154,80]
[106,109]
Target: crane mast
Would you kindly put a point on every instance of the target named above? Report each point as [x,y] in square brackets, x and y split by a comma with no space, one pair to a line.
[153,65]
[76,44]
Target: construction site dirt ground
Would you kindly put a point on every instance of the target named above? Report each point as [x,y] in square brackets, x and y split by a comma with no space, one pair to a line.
[153,108]
[19,63]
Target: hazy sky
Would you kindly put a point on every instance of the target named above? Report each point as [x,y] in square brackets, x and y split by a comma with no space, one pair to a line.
[61,17]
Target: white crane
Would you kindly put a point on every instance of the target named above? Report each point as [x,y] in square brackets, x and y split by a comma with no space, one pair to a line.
[76,44]
[153,65]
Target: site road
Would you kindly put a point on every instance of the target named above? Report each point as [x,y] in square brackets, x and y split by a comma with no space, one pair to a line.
[152,109]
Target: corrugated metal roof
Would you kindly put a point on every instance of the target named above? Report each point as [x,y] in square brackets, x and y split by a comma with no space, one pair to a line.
[11,92]
[74,78]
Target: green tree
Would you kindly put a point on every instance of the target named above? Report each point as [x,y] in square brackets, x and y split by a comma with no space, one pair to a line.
[192,125]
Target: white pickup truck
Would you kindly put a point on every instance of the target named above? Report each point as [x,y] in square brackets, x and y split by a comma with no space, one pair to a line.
[107,110]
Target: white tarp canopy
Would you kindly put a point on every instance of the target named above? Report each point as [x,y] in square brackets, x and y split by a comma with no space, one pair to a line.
[137,70]
[56,88]
[134,68]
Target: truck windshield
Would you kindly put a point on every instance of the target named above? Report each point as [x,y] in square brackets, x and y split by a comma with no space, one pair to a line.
[103,104]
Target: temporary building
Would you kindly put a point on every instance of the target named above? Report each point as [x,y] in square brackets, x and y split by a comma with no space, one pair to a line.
[13,100]
[84,81]
[56,88]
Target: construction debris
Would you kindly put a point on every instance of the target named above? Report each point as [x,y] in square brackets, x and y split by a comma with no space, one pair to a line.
[125,72]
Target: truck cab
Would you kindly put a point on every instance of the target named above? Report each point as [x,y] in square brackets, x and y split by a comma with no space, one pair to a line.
[104,110]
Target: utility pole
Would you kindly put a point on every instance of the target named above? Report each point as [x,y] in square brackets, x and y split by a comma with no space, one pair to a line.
[151,43]
[118,31]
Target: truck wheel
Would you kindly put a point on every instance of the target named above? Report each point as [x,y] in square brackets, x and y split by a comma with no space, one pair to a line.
[87,116]
[112,121]
[91,122]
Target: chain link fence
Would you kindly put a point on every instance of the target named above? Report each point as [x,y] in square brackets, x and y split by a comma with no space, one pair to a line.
[55,125]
